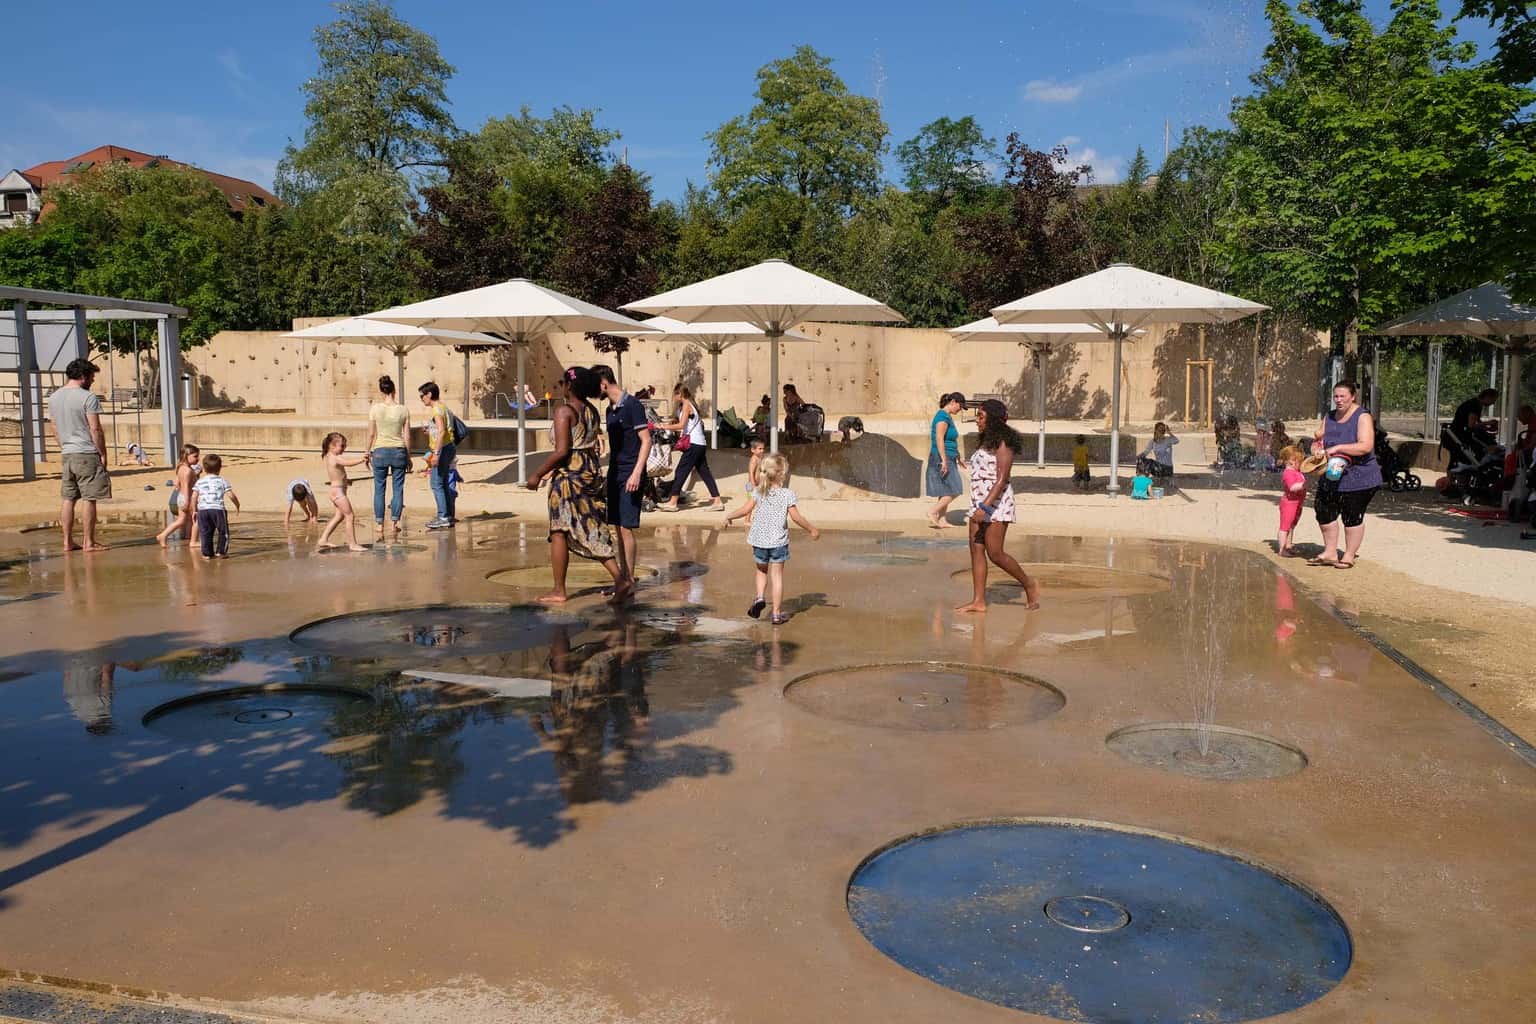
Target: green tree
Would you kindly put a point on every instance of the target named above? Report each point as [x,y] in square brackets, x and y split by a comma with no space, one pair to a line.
[896,248]
[51,255]
[947,161]
[377,121]
[545,169]
[609,254]
[163,234]
[806,136]
[463,237]
[1515,21]
[1371,169]
[1031,237]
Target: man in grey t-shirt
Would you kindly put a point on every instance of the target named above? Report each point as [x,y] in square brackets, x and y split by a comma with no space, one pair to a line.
[76,414]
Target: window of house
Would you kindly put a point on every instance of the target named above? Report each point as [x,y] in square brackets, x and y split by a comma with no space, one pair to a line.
[16,202]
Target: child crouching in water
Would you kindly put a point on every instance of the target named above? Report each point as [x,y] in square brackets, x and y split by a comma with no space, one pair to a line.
[1293,496]
[209,496]
[334,455]
[771,507]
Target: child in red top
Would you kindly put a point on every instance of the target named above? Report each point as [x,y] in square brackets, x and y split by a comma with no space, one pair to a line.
[1293,496]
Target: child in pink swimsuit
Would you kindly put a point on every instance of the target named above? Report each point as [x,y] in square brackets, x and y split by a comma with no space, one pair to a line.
[1293,496]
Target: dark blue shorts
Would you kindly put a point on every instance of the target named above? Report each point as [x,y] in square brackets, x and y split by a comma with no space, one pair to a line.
[623,506]
[767,556]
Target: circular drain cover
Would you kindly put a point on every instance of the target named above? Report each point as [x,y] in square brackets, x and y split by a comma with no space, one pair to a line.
[1092,914]
[1206,751]
[1065,579]
[1092,923]
[583,574]
[255,711]
[435,630]
[925,696]
[884,559]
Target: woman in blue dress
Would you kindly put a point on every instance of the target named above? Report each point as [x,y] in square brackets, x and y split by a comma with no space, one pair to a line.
[943,470]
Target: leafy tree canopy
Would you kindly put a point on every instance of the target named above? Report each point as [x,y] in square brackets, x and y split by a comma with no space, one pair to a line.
[806,136]
[948,161]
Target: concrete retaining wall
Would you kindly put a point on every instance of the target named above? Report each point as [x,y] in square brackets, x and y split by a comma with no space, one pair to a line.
[851,369]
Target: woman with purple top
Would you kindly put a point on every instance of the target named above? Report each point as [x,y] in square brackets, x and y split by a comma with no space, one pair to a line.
[1348,438]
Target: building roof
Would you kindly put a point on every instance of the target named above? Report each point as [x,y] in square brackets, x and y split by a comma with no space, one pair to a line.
[238,191]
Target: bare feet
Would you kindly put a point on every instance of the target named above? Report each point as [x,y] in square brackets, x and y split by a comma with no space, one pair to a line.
[94,546]
[622,594]
[554,597]
[357,547]
[1032,595]
[974,608]
[933,522]
[326,547]
[72,547]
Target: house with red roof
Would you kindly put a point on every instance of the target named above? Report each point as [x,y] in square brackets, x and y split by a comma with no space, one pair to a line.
[21,191]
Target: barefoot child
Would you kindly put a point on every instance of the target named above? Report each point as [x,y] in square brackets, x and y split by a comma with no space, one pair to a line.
[336,461]
[181,498]
[1293,496]
[210,496]
[771,507]
[302,495]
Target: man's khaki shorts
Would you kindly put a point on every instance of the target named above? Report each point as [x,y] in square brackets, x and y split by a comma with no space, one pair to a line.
[85,477]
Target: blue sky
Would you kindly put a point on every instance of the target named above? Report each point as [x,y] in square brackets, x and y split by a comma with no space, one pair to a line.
[218,85]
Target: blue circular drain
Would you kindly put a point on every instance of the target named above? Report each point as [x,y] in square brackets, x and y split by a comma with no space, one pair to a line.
[1093,923]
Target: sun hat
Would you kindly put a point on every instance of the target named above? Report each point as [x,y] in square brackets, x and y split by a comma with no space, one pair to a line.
[1313,463]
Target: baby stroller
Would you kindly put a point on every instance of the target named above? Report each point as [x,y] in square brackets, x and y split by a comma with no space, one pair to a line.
[1476,465]
[1395,472]
[806,425]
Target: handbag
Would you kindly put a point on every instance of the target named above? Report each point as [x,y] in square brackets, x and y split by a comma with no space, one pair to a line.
[659,462]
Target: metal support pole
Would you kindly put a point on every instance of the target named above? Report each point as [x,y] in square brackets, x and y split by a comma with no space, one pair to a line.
[169,331]
[1433,357]
[774,334]
[466,386]
[522,414]
[1114,411]
[1514,369]
[82,339]
[138,390]
[112,388]
[714,396]
[1040,406]
[26,368]
[1376,380]
[400,379]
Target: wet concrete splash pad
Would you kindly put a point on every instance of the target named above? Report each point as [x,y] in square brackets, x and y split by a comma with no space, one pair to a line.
[250,712]
[583,574]
[883,558]
[1062,579]
[1206,751]
[925,696]
[1094,923]
[435,630]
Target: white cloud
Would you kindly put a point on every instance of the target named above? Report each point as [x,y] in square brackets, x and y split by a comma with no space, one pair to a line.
[1050,91]
[1106,168]
[230,60]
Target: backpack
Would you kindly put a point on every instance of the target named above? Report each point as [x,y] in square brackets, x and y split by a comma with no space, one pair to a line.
[458,428]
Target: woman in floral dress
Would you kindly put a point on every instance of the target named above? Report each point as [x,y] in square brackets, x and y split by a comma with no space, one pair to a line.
[577,514]
[993,507]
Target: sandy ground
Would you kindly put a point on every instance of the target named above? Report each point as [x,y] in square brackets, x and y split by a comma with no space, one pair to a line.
[1456,594]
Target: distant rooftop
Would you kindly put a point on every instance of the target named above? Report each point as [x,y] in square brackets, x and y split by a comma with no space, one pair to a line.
[238,191]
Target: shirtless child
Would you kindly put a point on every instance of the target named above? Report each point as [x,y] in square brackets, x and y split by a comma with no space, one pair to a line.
[333,453]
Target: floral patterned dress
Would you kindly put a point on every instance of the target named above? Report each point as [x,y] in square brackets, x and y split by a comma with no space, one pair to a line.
[983,478]
[577,507]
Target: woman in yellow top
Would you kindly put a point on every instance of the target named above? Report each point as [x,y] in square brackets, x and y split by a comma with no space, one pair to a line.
[389,425]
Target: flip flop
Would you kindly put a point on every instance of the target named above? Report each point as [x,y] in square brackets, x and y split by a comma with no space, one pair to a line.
[1322,561]
[1343,565]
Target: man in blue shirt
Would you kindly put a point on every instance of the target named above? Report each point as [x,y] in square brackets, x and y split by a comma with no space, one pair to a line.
[629,444]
